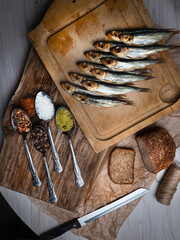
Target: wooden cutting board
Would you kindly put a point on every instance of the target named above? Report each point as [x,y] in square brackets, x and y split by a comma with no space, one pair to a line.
[15,173]
[67,30]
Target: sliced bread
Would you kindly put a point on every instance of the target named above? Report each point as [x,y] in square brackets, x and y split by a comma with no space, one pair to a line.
[121,166]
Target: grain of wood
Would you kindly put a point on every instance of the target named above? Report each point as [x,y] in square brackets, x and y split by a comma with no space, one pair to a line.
[35,78]
[149,220]
[15,173]
[99,125]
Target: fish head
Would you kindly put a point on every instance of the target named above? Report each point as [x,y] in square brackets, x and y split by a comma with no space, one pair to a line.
[80,97]
[114,35]
[76,77]
[92,55]
[119,51]
[98,73]
[90,85]
[109,62]
[68,87]
[102,46]
[126,38]
[85,67]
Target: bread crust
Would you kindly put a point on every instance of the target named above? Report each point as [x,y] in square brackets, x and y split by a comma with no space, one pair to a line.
[160,149]
[121,166]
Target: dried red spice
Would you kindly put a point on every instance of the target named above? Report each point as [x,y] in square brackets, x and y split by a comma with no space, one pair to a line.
[21,121]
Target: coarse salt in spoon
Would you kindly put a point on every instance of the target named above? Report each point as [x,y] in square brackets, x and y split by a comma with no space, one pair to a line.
[45,111]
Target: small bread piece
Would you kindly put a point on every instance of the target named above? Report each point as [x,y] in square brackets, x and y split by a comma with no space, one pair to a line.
[121,166]
[157,149]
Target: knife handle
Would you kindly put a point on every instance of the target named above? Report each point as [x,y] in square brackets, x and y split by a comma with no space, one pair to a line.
[55,232]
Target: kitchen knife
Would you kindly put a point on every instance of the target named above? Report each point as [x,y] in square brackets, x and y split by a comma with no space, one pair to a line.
[80,222]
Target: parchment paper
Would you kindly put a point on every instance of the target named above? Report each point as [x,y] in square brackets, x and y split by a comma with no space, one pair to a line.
[102,190]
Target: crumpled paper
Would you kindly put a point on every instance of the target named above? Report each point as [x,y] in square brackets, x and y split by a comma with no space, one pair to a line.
[102,190]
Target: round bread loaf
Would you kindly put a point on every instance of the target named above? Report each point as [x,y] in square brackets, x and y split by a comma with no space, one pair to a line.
[157,149]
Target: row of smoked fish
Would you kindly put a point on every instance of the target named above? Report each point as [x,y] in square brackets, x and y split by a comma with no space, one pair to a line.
[116,66]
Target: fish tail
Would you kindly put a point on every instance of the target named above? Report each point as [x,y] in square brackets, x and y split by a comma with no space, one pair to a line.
[128,83]
[121,96]
[128,102]
[168,30]
[160,60]
[172,30]
[173,46]
[141,71]
[144,90]
[175,32]
[146,70]
[148,77]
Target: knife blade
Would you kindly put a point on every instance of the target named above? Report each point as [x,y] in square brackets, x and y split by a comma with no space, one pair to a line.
[80,222]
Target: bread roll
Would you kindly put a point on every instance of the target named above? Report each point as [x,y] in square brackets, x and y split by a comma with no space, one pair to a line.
[157,149]
[121,166]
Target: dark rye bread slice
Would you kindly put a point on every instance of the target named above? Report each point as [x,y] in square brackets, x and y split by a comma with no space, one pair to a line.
[121,166]
[157,149]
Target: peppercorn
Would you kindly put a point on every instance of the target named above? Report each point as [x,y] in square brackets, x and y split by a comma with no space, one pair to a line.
[40,139]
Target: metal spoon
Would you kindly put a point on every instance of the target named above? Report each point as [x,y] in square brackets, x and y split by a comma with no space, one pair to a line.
[35,179]
[52,194]
[78,178]
[57,166]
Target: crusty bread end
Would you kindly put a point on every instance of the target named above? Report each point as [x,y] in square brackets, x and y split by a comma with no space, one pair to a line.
[157,149]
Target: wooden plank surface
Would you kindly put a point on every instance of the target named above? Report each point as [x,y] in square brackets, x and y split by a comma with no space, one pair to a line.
[76,31]
[14,48]
[15,172]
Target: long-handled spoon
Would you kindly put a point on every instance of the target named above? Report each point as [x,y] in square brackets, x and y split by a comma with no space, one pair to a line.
[20,127]
[41,143]
[45,111]
[78,178]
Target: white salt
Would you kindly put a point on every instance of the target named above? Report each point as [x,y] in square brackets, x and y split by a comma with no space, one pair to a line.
[44,106]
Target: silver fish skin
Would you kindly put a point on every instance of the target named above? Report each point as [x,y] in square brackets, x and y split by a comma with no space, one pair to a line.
[139,38]
[132,52]
[117,77]
[127,64]
[100,101]
[111,89]
[71,88]
[138,30]
[140,71]
[95,56]
[86,67]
